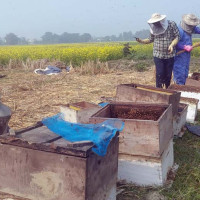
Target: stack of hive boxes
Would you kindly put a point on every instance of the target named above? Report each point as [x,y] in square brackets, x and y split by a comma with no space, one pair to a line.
[146,142]
[190,94]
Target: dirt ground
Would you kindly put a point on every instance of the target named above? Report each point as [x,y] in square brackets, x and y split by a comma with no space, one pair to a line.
[33,97]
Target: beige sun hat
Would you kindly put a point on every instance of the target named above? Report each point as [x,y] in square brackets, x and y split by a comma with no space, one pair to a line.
[156,17]
[191,19]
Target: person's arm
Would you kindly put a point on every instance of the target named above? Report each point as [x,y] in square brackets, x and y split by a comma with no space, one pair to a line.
[196,30]
[176,35]
[146,41]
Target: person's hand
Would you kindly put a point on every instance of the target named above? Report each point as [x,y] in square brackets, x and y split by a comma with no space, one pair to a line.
[188,48]
[171,48]
[138,39]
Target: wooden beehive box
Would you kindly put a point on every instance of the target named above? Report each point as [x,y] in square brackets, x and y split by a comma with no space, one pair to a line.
[79,112]
[194,80]
[192,108]
[187,91]
[147,94]
[40,165]
[147,130]
[180,120]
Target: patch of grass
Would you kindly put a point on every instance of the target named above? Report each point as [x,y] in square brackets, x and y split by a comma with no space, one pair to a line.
[141,67]
[187,182]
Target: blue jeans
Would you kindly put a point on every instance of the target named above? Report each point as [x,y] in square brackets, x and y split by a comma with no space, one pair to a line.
[164,69]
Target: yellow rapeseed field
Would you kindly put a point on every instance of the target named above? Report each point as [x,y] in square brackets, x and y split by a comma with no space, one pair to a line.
[76,53]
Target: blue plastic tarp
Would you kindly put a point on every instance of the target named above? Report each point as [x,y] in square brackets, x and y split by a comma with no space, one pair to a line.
[100,134]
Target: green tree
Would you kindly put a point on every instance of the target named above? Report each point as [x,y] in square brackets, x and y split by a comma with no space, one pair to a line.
[11,39]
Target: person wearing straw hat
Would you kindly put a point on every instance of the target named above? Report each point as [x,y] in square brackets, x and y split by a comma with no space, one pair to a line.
[165,35]
[187,27]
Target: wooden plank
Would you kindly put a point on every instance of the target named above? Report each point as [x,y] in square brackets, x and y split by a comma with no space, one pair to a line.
[38,135]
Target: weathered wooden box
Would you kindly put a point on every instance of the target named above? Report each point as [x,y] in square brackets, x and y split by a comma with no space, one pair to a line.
[147,94]
[194,80]
[147,130]
[146,171]
[187,91]
[79,112]
[180,120]
[192,108]
[40,165]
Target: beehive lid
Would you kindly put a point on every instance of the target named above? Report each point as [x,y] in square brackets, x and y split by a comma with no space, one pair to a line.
[42,139]
[185,88]
[150,89]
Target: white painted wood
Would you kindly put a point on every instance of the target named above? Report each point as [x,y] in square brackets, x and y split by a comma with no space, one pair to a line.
[146,172]
[194,95]
[78,116]
[192,110]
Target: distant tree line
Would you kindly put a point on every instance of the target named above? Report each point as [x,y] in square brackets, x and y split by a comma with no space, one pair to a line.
[52,38]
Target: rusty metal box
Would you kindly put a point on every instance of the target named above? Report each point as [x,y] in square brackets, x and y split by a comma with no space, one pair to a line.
[148,127]
[39,165]
[147,94]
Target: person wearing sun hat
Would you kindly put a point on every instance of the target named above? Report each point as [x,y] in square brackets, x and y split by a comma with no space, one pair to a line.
[187,27]
[165,35]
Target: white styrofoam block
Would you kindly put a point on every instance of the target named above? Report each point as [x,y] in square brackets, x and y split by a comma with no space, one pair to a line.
[194,95]
[191,112]
[146,172]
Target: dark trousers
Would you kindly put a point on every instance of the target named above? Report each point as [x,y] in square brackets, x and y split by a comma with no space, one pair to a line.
[164,69]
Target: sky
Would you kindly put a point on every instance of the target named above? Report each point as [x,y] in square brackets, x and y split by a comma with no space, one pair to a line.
[32,18]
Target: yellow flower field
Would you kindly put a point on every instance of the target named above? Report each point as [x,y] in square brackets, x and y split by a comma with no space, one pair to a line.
[77,53]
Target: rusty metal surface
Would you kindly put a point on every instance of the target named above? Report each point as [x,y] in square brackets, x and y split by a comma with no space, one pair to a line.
[141,137]
[132,93]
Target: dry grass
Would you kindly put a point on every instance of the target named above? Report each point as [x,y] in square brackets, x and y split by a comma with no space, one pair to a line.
[93,68]
[33,97]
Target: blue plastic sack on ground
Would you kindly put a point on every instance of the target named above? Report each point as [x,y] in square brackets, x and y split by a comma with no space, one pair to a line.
[48,70]
[195,129]
[100,134]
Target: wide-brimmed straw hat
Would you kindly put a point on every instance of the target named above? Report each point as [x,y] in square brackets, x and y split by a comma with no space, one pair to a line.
[191,20]
[156,17]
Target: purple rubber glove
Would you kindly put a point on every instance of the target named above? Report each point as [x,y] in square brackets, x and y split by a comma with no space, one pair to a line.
[188,48]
